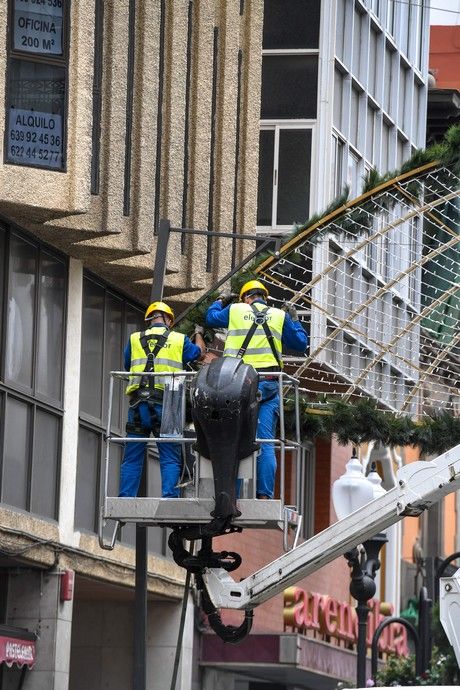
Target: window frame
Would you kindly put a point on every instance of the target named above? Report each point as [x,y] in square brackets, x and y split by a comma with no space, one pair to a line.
[277,126]
[35,402]
[39,58]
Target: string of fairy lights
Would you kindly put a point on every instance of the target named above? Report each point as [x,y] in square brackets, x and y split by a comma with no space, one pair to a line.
[380,296]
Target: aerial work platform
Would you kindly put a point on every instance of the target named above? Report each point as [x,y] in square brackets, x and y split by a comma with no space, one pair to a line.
[196,502]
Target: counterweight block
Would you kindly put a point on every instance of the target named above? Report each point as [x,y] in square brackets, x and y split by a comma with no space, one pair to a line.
[224,409]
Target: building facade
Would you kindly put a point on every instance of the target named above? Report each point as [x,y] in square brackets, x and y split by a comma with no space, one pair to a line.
[220,114]
[116,114]
[344,88]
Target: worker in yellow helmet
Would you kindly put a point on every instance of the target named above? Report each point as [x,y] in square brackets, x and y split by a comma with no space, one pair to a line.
[158,349]
[257,333]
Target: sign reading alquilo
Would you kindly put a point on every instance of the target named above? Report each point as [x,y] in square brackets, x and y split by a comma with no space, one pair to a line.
[305,610]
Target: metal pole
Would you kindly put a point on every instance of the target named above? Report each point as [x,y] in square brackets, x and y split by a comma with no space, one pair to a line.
[362,610]
[140,594]
[424,630]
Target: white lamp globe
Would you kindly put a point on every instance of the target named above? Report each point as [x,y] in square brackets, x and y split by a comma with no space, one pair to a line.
[352,490]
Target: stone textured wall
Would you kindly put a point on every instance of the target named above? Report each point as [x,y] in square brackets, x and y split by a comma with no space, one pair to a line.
[118,245]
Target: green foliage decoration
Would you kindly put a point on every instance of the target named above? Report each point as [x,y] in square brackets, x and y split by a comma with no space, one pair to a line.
[363,421]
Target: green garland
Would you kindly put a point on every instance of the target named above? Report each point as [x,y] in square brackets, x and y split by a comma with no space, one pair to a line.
[363,421]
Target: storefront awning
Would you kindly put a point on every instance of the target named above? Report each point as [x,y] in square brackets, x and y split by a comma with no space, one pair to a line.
[286,658]
[17,646]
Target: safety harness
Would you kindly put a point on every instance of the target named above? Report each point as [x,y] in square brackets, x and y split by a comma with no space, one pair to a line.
[146,391]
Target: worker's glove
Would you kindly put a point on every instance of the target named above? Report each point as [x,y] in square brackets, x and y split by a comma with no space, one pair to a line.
[227,299]
[199,330]
[291,310]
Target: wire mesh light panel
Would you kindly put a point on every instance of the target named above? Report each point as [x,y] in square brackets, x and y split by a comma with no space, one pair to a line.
[377,285]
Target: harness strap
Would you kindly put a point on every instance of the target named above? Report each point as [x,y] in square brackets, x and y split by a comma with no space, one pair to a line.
[161,338]
[260,319]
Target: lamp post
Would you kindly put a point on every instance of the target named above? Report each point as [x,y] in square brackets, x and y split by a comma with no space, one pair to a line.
[350,492]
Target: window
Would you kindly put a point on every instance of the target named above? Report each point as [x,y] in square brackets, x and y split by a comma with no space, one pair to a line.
[386,143]
[37,83]
[388,81]
[338,100]
[353,174]
[306,490]
[33,282]
[359,32]
[289,86]
[370,135]
[390,16]
[340,29]
[107,321]
[284,176]
[295,26]
[338,148]
[402,97]
[354,117]
[373,63]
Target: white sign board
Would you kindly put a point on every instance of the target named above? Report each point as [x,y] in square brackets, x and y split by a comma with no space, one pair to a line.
[35,138]
[38,26]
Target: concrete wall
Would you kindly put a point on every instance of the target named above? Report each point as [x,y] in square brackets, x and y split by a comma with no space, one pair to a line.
[102,645]
[34,604]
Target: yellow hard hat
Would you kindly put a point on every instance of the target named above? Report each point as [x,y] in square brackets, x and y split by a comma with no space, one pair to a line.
[158,306]
[251,286]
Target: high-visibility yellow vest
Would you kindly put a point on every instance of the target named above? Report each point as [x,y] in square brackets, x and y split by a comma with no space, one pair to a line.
[169,357]
[258,353]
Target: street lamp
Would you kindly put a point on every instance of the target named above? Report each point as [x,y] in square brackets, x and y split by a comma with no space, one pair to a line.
[350,492]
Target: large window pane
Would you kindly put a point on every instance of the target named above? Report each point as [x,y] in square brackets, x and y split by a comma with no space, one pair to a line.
[293,24]
[45,465]
[21,310]
[92,340]
[289,86]
[2,285]
[87,479]
[265,188]
[113,356]
[36,101]
[15,474]
[294,176]
[51,327]
[354,117]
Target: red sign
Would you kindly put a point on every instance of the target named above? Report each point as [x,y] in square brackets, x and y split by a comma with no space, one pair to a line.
[312,611]
[16,651]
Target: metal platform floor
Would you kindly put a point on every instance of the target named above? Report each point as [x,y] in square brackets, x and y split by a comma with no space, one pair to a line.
[169,511]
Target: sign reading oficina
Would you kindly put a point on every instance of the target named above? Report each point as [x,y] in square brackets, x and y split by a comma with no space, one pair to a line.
[38,26]
[35,138]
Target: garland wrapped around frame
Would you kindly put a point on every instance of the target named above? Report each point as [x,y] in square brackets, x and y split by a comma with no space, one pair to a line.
[362,421]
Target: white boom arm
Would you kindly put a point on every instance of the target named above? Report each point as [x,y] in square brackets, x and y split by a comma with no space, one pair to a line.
[449,610]
[419,485]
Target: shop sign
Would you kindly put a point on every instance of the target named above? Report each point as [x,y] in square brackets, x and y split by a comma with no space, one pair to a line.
[38,26]
[305,610]
[17,651]
[35,138]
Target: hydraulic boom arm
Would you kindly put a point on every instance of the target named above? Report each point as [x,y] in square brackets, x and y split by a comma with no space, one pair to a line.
[419,485]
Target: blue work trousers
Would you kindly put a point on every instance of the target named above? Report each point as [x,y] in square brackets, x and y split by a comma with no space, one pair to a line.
[266,428]
[133,458]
